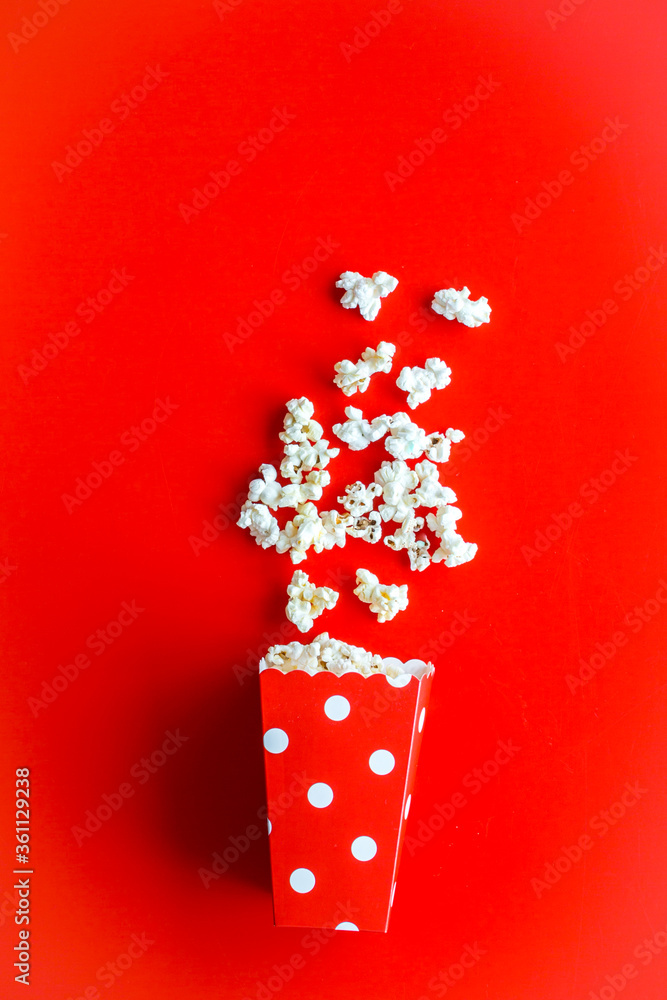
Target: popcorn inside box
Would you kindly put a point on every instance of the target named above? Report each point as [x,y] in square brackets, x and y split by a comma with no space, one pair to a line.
[343,726]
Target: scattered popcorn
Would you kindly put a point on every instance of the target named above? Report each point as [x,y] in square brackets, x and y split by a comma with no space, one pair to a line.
[349,376]
[405,538]
[307,602]
[266,490]
[335,528]
[299,424]
[397,481]
[439,446]
[365,292]
[453,550]
[385,599]
[324,653]
[298,493]
[302,532]
[305,457]
[366,526]
[264,528]
[358,433]
[359,499]
[406,439]
[458,305]
[419,382]
[431,492]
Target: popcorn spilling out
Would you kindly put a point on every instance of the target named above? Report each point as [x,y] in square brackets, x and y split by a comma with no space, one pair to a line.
[431,492]
[365,293]
[351,377]
[385,599]
[406,439]
[304,457]
[302,532]
[358,433]
[359,499]
[307,602]
[453,551]
[325,653]
[366,526]
[439,446]
[419,382]
[405,537]
[263,526]
[299,424]
[397,480]
[458,305]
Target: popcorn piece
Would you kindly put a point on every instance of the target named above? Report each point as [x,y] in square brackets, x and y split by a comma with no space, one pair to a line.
[335,527]
[431,492]
[324,653]
[299,493]
[358,433]
[365,292]
[405,538]
[397,481]
[299,424]
[385,599]
[452,550]
[264,527]
[302,532]
[458,305]
[305,457]
[307,602]
[349,376]
[367,526]
[419,382]
[359,499]
[406,439]
[439,446]
[266,490]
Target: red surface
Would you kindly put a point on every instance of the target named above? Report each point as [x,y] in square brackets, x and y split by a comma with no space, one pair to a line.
[467,890]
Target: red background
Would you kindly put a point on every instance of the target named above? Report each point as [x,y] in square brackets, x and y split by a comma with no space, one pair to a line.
[66,574]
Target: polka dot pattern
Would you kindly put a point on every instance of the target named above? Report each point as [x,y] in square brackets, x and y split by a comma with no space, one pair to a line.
[364,848]
[276,740]
[337,708]
[320,795]
[381,762]
[269,826]
[346,925]
[302,880]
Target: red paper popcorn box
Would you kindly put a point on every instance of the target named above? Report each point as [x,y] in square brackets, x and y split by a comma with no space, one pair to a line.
[340,754]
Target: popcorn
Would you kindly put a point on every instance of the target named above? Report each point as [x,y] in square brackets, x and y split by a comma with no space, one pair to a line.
[335,527]
[307,602]
[299,493]
[366,526]
[359,499]
[264,527]
[406,439]
[349,376]
[405,538]
[304,457]
[431,492]
[439,446]
[298,423]
[457,305]
[324,653]
[397,481]
[385,599]
[302,532]
[266,490]
[452,550]
[419,382]
[358,433]
[365,292]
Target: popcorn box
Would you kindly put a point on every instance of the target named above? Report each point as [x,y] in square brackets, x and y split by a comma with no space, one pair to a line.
[340,753]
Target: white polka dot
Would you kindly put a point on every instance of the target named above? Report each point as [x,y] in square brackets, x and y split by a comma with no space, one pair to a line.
[400,681]
[275,740]
[422,716]
[269,826]
[393,890]
[407,807]
[364,848]
[320,795]
[302,880]
[346,925]
[336,708]
[381,762]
